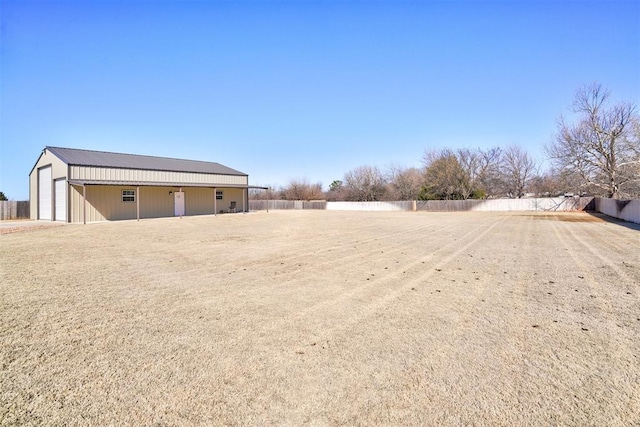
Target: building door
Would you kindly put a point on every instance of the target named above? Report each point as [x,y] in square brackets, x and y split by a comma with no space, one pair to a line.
[44,193]
[178,198]
[60,186]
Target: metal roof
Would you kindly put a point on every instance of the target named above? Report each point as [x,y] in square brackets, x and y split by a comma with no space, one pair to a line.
[77,157]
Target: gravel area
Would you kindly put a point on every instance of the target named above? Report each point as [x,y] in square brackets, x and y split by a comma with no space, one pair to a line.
[323,318]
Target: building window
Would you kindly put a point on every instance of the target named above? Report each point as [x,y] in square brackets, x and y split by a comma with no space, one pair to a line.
[128,195]
[218,195]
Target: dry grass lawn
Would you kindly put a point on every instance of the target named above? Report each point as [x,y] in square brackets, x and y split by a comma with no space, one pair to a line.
[323,318]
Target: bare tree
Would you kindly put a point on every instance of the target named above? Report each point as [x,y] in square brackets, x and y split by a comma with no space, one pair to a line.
[445,178]
[365,183]
[603,147]
[405,183]
[463,174]
[301,189]
[489,179]
[470,161]
[260,194]
[549,184]
[483,170]
[518,168]
[541,185]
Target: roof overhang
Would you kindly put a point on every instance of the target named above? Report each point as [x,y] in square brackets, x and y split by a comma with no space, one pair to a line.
[162,184]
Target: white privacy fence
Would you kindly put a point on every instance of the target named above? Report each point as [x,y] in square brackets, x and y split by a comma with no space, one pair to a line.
[546,204]
[628,210]
[557,204]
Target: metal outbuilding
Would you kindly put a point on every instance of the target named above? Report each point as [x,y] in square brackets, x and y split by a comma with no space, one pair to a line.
[73,185]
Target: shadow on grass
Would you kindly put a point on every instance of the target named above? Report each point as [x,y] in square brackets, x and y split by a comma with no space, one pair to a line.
[612,220]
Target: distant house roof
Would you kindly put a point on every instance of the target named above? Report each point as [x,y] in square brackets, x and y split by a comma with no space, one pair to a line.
[76,157]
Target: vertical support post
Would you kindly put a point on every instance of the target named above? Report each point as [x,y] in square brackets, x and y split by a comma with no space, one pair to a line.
[268,200]
[138,203]
[184,202]
[215,201]
[244,200]
[84,203]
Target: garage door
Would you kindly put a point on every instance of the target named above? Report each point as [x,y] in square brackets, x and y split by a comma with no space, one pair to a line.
[44,193]
[61,199]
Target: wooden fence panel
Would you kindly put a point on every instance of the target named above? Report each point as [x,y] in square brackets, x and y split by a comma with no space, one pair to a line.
[14,210]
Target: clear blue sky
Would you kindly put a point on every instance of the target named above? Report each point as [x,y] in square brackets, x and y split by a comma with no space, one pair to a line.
[300,89]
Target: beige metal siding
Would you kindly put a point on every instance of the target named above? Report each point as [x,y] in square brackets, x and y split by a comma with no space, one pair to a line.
[75,200]
[156,202]
[105,202]
[58,170]
[229,195]
[137,175]
[198,201]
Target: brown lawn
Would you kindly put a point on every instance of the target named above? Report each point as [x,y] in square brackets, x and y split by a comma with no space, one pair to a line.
[323,318]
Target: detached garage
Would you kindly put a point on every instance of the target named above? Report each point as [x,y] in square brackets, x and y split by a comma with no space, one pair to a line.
[80,186]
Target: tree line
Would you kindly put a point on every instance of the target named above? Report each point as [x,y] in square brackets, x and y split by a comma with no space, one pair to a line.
[597,153]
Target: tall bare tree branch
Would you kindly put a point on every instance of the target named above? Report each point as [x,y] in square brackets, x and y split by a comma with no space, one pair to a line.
[603,147]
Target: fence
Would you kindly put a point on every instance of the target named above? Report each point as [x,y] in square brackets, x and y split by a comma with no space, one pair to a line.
[371,206]
[529,205]
[14,210]
[261,205]
[628,210]
[557,204]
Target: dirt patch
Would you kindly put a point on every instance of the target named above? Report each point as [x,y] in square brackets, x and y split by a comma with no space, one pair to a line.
[7,230]
[323,318]
[7,227]
[567,217]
